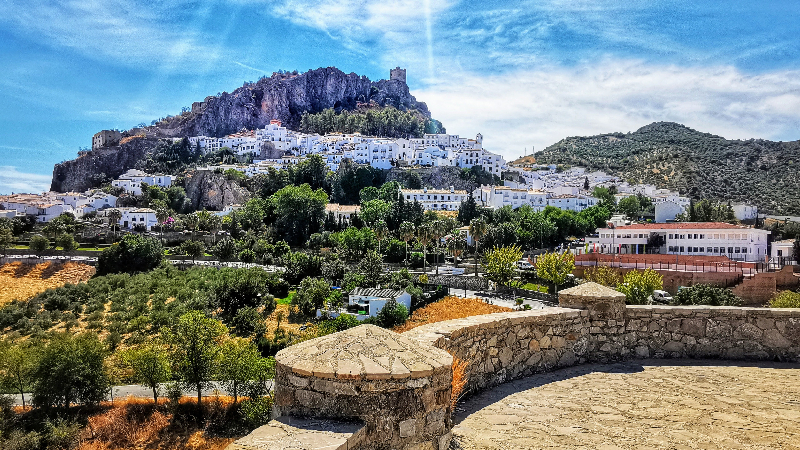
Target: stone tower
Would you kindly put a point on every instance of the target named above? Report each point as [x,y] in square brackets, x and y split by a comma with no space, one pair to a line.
[397,74]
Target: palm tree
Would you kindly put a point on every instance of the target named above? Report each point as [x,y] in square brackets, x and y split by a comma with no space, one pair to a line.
[214,224]
[439,230]
[406,234]
[380,232]
[114,216]
[477,229]
[161,216]
[192,221]
[457,245]
[424,236]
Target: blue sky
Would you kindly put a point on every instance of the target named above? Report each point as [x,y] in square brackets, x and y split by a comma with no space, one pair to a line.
[524,74]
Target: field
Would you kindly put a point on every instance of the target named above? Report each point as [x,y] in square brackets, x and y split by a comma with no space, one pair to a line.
[22,281]
[448,308]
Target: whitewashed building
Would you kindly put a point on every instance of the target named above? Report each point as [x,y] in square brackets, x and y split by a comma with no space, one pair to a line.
[689,238]
[436,199]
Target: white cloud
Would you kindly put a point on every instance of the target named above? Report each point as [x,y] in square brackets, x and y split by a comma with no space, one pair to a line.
[120,31]
[539,108]
[12,180]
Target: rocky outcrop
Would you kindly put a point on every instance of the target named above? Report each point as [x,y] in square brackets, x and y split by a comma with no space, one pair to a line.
[98,166]
[286,97]
[212,191]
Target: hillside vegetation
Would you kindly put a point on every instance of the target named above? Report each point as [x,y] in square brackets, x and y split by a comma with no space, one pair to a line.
[701,165]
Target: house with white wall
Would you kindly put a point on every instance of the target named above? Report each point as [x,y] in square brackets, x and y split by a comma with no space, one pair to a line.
[436,199]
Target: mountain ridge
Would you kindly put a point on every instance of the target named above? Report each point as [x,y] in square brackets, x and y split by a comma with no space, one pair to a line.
[701,165]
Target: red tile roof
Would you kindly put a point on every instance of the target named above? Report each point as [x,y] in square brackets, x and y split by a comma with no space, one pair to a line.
[681,226]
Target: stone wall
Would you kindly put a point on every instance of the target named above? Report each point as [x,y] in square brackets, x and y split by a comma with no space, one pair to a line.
[399,386]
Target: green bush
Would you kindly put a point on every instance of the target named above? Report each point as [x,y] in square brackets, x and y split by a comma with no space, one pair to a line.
[134,253]
[247,288]
[340,323]
[785,299]
[392,314]
[256,411]
[225,248]
[415,260]
[704,294]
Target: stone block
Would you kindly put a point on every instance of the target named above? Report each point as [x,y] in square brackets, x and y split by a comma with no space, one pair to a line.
[773,339]
[408,428]
[444,441]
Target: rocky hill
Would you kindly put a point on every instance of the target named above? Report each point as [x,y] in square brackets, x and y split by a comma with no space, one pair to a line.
[697,164]
[286,97]
[283,96]
[212,191]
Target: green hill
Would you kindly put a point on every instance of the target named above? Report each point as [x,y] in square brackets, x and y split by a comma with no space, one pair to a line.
[701,165]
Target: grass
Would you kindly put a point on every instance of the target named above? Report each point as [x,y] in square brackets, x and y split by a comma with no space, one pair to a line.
[534,287]
[286,300]
[22,281]
[448,308]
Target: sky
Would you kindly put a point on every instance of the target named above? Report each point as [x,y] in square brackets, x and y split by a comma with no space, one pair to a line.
[524,74]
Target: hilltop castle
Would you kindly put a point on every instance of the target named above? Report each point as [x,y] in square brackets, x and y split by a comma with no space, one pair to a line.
[397,74]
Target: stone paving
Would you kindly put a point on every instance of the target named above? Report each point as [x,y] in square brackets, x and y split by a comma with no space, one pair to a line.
[651,404]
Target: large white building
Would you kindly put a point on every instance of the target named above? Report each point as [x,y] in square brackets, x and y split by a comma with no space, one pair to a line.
[689,238]
[436,199]
[131,181]
[498,196]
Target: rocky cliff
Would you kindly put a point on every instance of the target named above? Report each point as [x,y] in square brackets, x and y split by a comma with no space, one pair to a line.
[212,191]
[286,97]
[99,166]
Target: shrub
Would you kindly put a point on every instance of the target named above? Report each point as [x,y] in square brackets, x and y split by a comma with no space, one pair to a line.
[604,275]
[638,285]
[416,260]
[247,256]
[134,253]
[39,244]
[340,323]
[62,434]
[225,248]
[392,314]
[248,288]
[309,297]
[704,294]
[256,411]
[70,370]
[785,299]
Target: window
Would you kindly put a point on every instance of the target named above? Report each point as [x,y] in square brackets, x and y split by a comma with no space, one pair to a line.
[780,252]
[702,236]
[695,236]
[702,249]
[681,249]
[716,250]
[670,236]
[736,249]
[730,249]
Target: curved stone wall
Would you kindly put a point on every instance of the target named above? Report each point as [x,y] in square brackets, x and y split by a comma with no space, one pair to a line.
[399,386]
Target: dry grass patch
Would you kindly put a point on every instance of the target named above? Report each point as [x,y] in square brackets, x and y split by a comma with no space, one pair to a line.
[22,281]
[448,308]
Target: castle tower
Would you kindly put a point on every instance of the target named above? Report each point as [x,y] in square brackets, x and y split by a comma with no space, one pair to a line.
[397,74]
[479,138]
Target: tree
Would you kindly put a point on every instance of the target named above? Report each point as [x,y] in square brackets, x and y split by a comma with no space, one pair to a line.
[17,363]
[225,248]
[114,216]
[371,268]
[162,214]
[239,363]
[500,263]
[299,211]
[192,222]
[248,288]
[555,267]
[196,345]
[6,239]
[310,296]
[381,231]
[468,210]
[195,249]
[70,370]
[604,275]
[392,314]
[605,196]
[477,229]
[705,294]
[406,234]
[424,236]
[149,364]
[785,299]
[134,253]
[39,244]
[439,229]
[67,242]
[638,285]
[630,207]
[374,210]
[457,244]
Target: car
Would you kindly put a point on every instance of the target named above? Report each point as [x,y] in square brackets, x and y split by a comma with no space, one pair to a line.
[660,297]
[524,265]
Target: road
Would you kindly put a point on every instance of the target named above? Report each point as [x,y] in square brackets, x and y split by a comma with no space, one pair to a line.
[139,391]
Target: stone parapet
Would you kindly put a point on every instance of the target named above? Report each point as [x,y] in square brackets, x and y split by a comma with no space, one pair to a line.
[399,388]
[400,385]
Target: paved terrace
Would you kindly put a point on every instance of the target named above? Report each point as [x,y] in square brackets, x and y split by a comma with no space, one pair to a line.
[652,404]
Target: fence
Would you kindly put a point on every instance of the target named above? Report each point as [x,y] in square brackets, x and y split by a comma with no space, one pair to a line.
[524,293]
[471,283]
[750,268]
